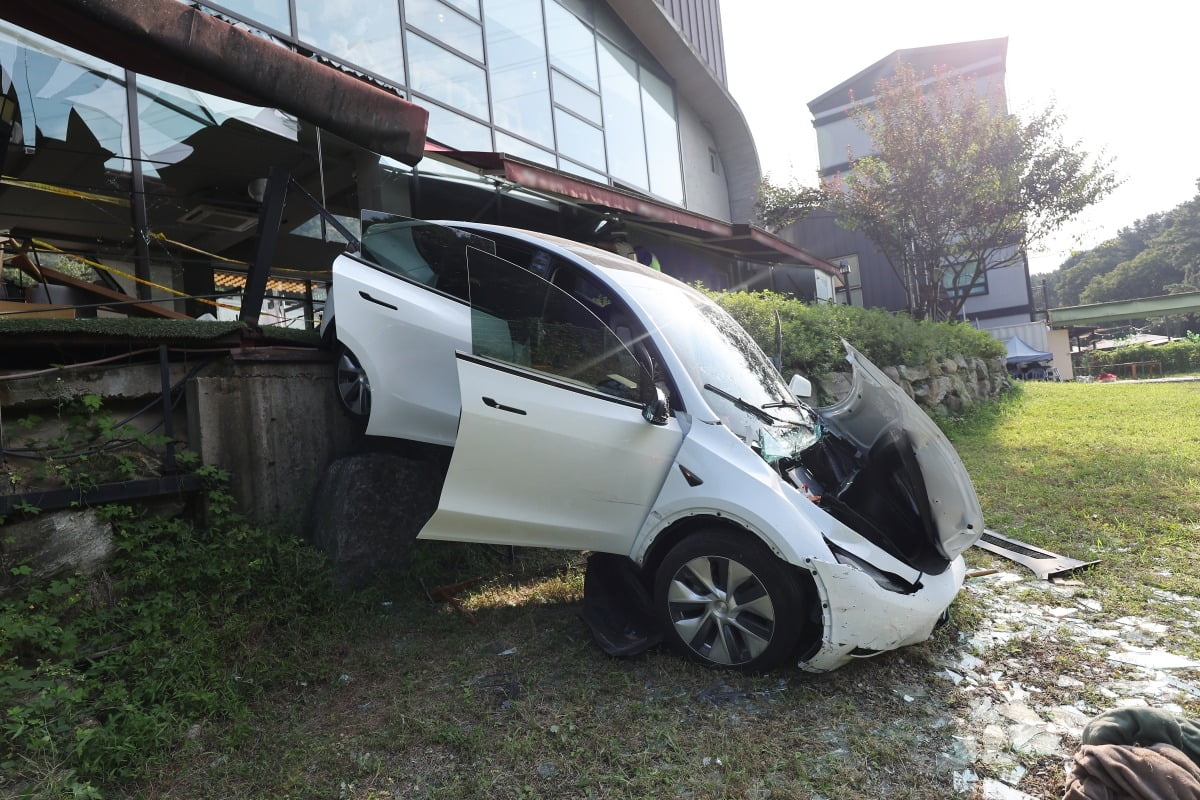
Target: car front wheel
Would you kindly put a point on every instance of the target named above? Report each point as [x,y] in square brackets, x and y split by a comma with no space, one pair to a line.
[725,600]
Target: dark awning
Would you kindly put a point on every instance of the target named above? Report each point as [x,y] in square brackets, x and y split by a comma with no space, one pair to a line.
[173,41]
[739,240]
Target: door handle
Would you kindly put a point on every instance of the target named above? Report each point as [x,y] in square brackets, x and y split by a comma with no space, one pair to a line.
[490,403]
[370,299]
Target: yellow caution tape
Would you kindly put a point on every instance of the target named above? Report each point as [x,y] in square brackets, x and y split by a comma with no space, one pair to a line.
[65,192]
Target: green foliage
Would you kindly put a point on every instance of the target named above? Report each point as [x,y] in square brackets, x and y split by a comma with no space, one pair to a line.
[779,206]
[101,675]
[1157,255]
[955,186]
[83,447]
[811,333]
[1182,357]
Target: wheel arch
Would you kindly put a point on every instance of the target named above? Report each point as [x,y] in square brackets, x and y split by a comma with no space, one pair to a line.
[679,530]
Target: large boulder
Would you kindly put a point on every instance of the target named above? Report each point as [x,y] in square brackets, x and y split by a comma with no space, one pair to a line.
[368,509]
[53,544]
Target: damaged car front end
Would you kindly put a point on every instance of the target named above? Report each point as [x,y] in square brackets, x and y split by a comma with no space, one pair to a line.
[865,500]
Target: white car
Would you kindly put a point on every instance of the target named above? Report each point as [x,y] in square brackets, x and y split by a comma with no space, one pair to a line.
[598,405]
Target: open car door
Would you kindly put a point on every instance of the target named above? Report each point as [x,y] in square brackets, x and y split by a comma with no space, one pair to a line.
[553,448]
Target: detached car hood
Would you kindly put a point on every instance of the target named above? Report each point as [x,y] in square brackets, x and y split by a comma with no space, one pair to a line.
[911,475]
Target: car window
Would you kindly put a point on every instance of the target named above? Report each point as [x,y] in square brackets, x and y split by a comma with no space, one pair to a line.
[429,254]
[519,317]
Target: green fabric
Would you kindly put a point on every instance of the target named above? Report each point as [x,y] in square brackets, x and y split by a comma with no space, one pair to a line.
[1144,727]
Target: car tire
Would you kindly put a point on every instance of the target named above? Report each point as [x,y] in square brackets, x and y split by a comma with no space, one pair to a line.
[725,600]
[352,385]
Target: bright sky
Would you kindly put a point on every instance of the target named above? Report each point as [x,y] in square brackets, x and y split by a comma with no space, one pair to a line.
[1124,76]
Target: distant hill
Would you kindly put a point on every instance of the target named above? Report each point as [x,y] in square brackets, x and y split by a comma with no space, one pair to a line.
[1157,255]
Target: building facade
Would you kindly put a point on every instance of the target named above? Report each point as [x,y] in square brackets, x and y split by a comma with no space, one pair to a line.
[1002,295]
[607,122]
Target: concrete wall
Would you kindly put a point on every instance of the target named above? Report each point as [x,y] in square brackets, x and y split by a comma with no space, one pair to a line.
[275,425]
[706,189]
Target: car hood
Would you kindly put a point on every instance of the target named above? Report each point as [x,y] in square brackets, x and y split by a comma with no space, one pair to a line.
[877,416]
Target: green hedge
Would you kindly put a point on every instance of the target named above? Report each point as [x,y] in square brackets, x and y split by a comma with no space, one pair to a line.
[812,333]
[1175,357]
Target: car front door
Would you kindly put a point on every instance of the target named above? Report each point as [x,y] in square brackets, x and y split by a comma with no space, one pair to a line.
[553,449]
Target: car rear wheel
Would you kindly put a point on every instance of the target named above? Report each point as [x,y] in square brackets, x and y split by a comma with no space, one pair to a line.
[725,600]
[353,386]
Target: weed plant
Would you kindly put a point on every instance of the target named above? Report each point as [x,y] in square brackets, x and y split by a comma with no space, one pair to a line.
[100,677]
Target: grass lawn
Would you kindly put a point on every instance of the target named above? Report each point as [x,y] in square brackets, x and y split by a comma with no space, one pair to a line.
[505,696]
[1097,471]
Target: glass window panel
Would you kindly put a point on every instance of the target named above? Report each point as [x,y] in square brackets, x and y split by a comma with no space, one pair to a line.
[363,32]
[969,280]
[466,6]
[583,172]
[579,140]
[571,95]
[429,254]
[522,149]
[572,44]
[169,115]
[271,13]
[610,26]
[447,26]
[581,8]
[317,227]
[455,130]
[444,76]
[520,318]
[622,116]
[662,138]
[517,65]
[73,101]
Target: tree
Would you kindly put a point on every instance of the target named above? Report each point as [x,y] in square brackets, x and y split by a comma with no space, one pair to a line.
[780,206]
[957,186]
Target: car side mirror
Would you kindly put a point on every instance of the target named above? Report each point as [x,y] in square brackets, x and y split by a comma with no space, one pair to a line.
[800,386]
[654,410]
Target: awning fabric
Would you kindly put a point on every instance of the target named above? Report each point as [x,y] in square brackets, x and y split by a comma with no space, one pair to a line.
[739,240]
[1021,353]
[175,42]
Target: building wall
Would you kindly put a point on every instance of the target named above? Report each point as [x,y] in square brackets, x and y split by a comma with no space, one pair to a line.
[703,170]
[499,76]
[840,139]
[700,23]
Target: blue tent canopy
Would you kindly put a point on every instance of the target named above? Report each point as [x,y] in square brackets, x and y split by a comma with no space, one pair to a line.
[1021,353]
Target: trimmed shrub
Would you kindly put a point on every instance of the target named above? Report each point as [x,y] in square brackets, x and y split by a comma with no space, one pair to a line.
[1175,357]
[811,334]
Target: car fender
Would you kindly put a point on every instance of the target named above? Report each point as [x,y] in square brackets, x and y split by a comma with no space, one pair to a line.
[717,475]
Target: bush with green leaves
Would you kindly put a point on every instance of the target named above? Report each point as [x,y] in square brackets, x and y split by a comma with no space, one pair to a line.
[812,333]
[1181,357]
[100,675]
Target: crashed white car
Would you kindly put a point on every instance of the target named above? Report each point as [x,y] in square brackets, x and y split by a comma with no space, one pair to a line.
[598,405]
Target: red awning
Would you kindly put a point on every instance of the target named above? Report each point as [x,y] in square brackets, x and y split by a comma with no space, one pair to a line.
[739,240]
[175,42]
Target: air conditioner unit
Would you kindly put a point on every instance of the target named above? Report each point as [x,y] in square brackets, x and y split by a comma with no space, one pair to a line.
[221,218]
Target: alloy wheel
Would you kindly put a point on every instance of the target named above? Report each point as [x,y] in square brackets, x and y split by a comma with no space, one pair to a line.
[721,610]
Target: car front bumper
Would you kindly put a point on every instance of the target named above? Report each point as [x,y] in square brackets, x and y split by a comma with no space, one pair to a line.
[862,618]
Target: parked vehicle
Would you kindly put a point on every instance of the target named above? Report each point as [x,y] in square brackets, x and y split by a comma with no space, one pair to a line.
[598,405]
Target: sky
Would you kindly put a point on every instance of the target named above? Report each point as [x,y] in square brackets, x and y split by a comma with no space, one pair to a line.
[1124,76]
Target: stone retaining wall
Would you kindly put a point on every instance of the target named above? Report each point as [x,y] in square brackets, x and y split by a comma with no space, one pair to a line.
[941,388]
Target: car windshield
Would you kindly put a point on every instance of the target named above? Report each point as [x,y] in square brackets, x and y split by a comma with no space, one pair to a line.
[742,385]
